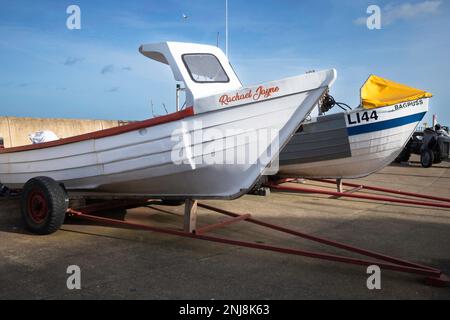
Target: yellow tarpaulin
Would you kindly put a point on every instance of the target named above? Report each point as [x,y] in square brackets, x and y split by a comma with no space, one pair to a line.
[378,92]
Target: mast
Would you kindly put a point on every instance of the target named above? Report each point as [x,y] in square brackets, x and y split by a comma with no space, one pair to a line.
[226,28]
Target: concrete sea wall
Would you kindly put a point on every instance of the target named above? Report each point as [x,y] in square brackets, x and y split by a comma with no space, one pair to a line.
[14,131]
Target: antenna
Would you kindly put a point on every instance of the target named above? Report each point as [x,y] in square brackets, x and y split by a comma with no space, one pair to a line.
[165,109]
[226,28]
[153,111]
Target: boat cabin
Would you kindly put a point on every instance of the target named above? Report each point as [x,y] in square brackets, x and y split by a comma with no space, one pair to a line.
[204,70]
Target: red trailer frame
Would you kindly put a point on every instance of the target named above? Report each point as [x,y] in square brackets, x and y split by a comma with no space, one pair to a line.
[434,277]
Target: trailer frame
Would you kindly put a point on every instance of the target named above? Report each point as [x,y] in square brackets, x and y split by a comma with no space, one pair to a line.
[433,276]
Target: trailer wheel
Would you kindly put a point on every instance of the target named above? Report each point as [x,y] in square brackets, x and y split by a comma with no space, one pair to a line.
[403,157]
[427,158]
[44,205]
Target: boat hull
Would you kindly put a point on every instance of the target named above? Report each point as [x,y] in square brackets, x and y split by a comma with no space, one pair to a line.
[142,161]
[351,145]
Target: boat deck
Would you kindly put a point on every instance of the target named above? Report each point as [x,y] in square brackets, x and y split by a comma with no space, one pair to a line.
[130,264]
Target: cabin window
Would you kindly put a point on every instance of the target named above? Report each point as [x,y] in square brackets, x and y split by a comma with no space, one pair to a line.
[205,68]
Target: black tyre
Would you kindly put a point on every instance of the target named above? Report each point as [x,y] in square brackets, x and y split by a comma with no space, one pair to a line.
[437,155]
[44,205]
[427,158]
[403,157]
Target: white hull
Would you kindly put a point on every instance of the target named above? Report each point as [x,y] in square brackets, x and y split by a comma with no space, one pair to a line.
[141,161]
[372,146]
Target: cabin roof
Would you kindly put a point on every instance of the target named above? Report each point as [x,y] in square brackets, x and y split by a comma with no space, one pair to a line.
[174,54]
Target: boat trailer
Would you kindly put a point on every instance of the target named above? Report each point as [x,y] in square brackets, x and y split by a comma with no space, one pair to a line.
[409,198]
[433,277]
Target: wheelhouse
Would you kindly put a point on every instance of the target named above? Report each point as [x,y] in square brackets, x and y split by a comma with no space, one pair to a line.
[204,70]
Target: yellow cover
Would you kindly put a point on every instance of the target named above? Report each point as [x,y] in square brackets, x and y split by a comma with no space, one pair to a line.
[378,92]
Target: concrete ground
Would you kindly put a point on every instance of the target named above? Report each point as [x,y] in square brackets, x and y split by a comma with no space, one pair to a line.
[128,264]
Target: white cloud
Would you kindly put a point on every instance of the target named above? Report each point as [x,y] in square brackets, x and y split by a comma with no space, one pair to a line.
[361,21]
[71,61]
[50,50]
[405,11]
[108,69]
[135,21]
[113,89]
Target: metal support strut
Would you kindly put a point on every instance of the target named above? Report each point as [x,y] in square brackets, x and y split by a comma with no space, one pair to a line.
[399,192]
[433,276]
[439,202]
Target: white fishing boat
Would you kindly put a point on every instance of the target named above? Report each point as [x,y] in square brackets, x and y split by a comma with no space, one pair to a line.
[357,143]
[178,155]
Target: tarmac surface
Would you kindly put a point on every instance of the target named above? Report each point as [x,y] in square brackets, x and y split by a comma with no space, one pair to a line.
[129,264]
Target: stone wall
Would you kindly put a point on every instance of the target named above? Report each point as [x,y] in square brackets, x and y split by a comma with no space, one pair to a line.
[15,131]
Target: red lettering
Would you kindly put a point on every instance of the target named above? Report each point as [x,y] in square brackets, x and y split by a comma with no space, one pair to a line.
[266,93]
[260,92]
[224,100]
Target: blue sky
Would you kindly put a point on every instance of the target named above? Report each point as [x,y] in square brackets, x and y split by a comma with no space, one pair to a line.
[47,70]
